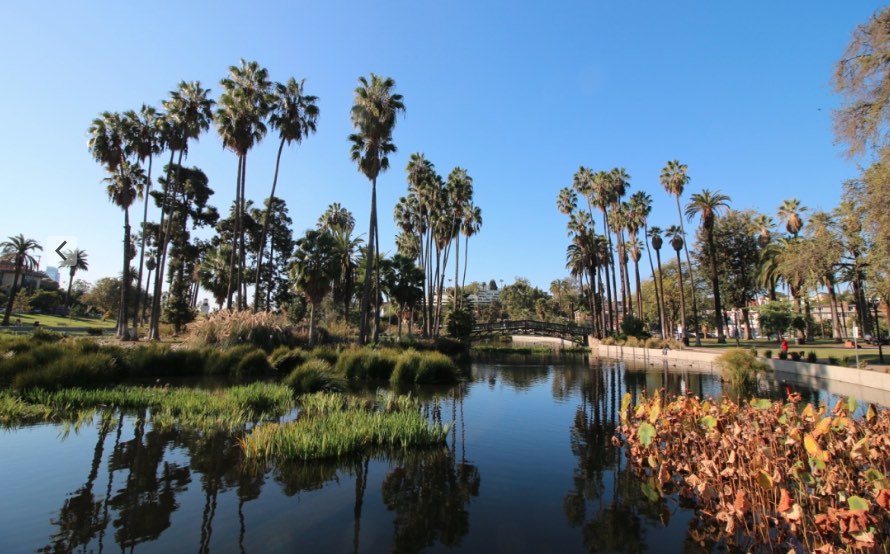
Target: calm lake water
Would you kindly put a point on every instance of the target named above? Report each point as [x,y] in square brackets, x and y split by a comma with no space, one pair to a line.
[529,467]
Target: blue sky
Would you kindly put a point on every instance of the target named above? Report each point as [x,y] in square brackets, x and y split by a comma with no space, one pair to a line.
[519,95]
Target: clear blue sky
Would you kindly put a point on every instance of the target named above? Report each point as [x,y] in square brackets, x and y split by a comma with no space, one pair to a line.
[519,95]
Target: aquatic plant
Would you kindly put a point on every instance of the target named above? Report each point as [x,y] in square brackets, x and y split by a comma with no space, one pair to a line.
[415,367]
[766,476]
[739,367]
[232,328]
[315,375]
[284,359]
[331,426]
[367,363]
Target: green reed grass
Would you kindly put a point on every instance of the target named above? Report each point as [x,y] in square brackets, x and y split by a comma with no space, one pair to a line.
[420,368]
[315,375]
[330,425]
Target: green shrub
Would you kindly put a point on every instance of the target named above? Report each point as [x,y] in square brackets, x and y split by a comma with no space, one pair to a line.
[452,347]
[43,335]
[78,370]
[783,355]
[365,363]
[795,356]
[739,367]
[754,352]
[284,359]
[95,331]
[833,360]
[633,327]
[811,357]
[768,354]
[161,360]
[313,376]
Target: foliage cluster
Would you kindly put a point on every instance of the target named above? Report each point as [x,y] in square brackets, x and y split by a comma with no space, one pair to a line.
[227,328]
[766,475]
[740,368]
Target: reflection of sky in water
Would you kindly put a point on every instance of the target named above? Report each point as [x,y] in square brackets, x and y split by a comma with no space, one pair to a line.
[529,467]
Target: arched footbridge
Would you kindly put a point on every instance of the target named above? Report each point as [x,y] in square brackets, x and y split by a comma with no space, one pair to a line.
[575,333]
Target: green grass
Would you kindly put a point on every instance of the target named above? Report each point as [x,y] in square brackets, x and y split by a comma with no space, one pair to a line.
[331,425]
[824,348]
[58,321]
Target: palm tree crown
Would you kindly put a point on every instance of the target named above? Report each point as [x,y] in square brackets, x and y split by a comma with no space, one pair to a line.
[707,204]
[789,214]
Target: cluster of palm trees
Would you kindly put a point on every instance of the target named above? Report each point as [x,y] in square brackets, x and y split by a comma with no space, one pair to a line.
[431,219]
[603,262]
[600,263]
[126,145]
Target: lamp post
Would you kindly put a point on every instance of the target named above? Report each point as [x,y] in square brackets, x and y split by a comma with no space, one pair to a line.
[875,302]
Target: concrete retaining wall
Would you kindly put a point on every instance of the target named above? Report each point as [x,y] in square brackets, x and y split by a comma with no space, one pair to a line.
[821,375]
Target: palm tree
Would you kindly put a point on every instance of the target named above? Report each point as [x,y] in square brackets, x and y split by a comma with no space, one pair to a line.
[17,249]
[143,141]
[674,178]
[189,111]
[459,189]
[654,234]
[602,191]
[374,117]
[471,226]
[76,260]
[122,189]
[314,266]
[677,243]
[789,214]
[640,208]
[243,107]
[294,115]
[339,222]
[619,182]
[763,226]
[709,206]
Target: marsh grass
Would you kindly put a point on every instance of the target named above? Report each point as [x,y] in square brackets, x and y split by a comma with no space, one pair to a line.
[367,364]
[227,409]
[234,328]
[315,375]
[332,425]
[284,359]
[740,368]
[422,368]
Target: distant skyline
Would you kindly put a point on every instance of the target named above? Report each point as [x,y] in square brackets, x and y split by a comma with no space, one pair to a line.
[518,95]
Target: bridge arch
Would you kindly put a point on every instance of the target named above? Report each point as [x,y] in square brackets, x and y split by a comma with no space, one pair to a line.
[575,333]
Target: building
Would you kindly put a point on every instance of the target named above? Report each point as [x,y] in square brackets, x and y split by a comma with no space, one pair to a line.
[484,297]
[30,279]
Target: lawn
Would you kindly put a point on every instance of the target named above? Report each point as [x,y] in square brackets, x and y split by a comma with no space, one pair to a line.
[824,348]
[57,321]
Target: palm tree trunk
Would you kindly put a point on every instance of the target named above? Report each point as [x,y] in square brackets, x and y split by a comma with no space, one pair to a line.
[312,324]
[691,275]
[457,298]
[230,288]
[665,331]
[142,251]
[241,256]
[13,290]
[612,307]
[366,292]
[639,293]
[271,276]
[684,332]
[154,326]
[832,301]
[463,280]
[123,331]
[147,288]
[377,295]
[715,284]
[259,262]
[70,282]
[654,279]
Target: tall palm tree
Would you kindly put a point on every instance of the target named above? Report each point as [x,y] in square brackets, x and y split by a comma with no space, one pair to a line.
[640,208]
[123,189]
[674,178]
[676,235]
[76,260]
[619,181]
[602,192]
[654,234]
[460,195]
[339,222]
[314,266]
[709,205]
[189,111]
[240,122]
[471,226]
[373,115]
[142,141]
[294,115]
[790,214]
[17,249]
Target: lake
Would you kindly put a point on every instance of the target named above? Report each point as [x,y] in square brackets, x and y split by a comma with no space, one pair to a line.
[529,466]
